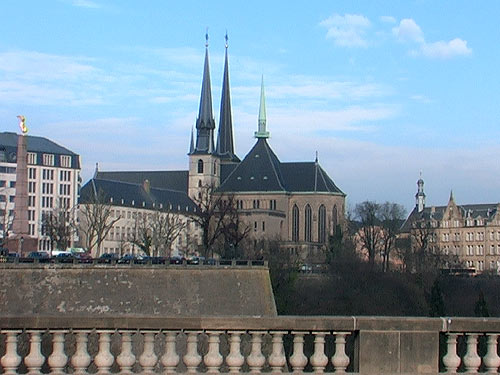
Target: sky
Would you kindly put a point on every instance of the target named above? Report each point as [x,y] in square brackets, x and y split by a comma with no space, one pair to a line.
[382,91]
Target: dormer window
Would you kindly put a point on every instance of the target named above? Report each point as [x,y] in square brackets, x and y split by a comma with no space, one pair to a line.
[48,159]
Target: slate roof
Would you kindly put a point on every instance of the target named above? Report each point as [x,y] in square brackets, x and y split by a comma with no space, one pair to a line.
[35,144]
[262,171]
[473,211]
[134,195]
[170,180]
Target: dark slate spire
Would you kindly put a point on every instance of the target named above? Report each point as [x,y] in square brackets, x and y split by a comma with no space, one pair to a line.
[225,142]
[205,123]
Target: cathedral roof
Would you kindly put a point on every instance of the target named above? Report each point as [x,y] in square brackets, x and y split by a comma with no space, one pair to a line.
[127,194]
[262,171]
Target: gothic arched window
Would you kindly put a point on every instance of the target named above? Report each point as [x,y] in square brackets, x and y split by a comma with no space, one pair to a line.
[295,223]
[200,166]
[308,223]
[334,218]
[322,224]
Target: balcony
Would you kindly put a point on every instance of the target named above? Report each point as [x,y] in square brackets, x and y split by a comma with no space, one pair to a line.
[289,344]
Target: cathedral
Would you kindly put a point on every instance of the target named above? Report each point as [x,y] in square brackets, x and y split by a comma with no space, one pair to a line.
[296,203]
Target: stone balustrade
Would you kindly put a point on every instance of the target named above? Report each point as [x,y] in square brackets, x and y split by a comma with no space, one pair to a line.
[147,345]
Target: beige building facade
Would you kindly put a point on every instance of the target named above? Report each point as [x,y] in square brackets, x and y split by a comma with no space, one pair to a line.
[471,232]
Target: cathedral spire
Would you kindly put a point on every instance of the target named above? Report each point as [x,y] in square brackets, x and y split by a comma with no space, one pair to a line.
[262,132]
[225,142]
[205,123]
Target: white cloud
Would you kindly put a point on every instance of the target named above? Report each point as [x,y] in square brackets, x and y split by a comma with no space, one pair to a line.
[408,31]
[446,50]
[387,19]
[348,30]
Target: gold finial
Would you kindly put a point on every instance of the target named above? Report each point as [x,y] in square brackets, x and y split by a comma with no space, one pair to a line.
[22,124]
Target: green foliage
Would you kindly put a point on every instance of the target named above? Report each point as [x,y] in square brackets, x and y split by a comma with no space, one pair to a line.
[436,302]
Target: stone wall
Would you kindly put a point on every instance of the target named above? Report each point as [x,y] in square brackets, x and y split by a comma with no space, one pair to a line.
[98,290]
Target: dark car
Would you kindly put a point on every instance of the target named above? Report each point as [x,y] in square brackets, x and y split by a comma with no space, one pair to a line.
[108,258]
[39,255]
[83,257]
[196,260]
[126,259]
[177,260]
[64,258]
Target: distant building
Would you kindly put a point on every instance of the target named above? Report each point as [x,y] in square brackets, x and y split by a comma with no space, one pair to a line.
[53,181]
[131,203]
[469,231]
[295,202]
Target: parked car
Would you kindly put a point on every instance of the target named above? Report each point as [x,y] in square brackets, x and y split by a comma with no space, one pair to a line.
[39,255]
[126,259]
[83,257]
[108,257]
[196,260]
[177,260]
[65,257]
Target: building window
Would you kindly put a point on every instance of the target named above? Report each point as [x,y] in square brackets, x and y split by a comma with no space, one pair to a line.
[200,166]
[322,224]
[308,223]
[65,161]
[255,226]
[12,184]
[32,173]
[263,226]
[48,159]
[295,223]
[256,203]
[334,218]
[31,158]
[272,204]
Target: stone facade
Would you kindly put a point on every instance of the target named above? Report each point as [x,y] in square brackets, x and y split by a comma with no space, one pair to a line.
[469,231]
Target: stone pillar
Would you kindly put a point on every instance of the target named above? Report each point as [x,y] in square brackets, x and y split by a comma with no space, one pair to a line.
[22,243]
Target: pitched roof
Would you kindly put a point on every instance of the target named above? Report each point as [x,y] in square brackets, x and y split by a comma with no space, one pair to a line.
[134,195]
[171,180]
[473,211]
[35,144]
[261,171]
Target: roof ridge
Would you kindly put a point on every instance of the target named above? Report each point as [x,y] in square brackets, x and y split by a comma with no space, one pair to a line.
[278,176]
[137,184]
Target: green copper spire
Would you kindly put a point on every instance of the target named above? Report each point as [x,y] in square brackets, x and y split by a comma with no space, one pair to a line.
[262,133]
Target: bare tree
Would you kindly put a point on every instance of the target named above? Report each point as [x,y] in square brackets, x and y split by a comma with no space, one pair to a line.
[370,233]
[234,229]
[96,219]
[6,218]
[213,216]
[59,226]
[391,217]
[156,232]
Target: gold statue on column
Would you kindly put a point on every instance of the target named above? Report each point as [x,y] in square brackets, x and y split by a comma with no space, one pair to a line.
[22,124]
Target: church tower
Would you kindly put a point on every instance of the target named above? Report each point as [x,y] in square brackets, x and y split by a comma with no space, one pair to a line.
[204,164]
[420,196]
[225,141]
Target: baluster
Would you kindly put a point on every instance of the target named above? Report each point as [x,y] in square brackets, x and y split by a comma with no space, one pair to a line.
[11,359]
[319,360]
[170,359]
[256,360]
[104,359]
[277,358]
[58,359]
[126,358]
[192,359]
[213,358]
[148,358]
[34,360]
[472,360]
[491,359]
[340,360]
[235,359]
[451,360]
[298,360]
[81,359]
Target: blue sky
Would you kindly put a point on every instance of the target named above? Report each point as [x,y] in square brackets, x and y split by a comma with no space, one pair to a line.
[382,90]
